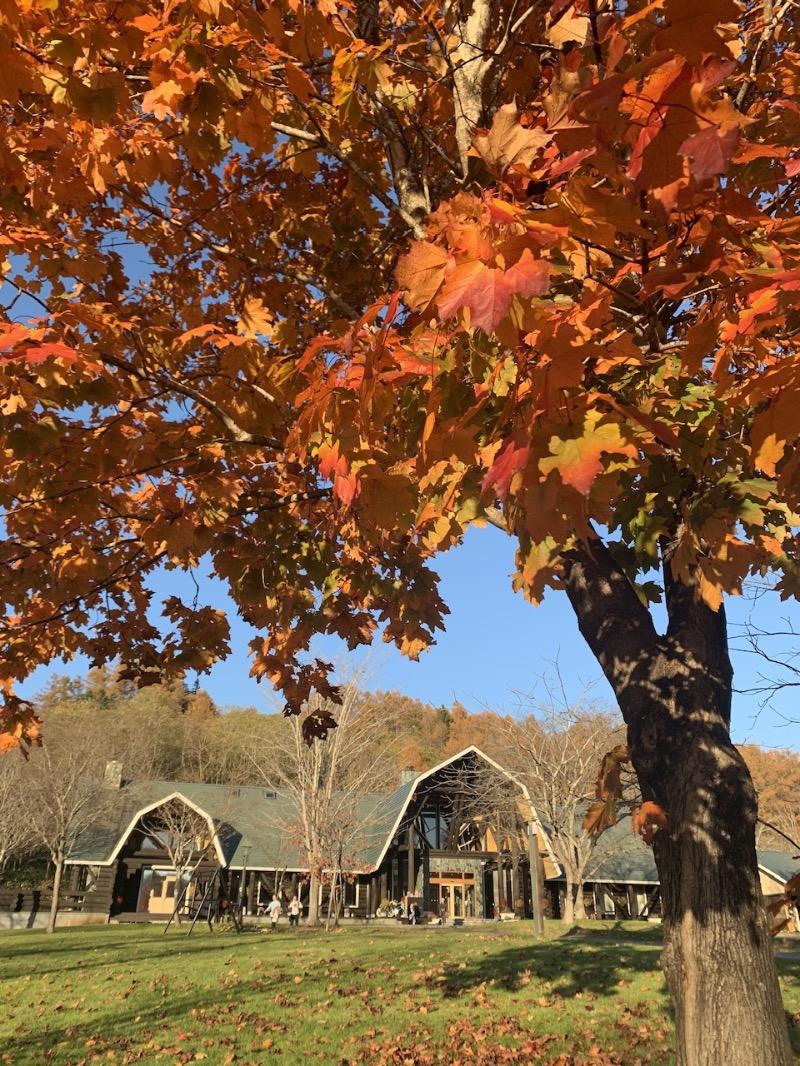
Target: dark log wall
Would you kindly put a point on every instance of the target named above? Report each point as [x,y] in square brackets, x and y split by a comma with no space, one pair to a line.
[30,900]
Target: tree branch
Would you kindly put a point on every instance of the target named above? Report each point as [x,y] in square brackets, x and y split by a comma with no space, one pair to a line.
[262,266]
[774,828]
[772,20]
[241,436]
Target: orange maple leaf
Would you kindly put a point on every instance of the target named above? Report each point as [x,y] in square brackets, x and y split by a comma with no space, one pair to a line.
[647,818]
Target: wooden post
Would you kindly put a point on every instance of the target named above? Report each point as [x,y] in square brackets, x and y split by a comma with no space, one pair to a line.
[515,892]
[412,877]
[633,910]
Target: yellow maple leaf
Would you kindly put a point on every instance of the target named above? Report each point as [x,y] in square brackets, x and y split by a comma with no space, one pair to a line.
[256,319]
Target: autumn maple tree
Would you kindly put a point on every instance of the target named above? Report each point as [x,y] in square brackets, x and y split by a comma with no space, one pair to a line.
[299,291]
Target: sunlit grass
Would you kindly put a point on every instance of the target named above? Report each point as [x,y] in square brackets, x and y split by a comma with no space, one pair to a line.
[378,994]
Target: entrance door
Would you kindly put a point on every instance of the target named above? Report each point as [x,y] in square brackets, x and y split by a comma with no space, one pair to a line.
[157,891]
[457,892]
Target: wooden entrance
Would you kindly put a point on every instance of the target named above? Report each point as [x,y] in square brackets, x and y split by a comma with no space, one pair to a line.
[454,892]
[157,890]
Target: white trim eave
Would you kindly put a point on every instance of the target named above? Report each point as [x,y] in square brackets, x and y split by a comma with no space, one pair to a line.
[768,872]
[425,775]
[624,881]
[146,810]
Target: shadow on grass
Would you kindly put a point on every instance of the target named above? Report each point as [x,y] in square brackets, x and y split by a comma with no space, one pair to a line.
[571,966]
[646,933]
[32,946]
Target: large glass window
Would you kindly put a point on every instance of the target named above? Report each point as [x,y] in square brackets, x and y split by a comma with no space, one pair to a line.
[433,823]
[445,826]
[428,828]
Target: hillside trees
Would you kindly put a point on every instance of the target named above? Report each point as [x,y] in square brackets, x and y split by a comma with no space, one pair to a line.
[776,776]
[591,211]
[161,731]
[417,733]
[15,840]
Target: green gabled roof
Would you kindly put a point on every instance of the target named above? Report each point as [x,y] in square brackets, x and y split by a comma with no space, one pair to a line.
[261,824]
[622,857]
[384,815]
[781,865]
[257,819]
[120,810]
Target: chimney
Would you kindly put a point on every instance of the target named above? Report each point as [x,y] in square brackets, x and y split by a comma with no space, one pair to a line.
[112,777]
[408,775]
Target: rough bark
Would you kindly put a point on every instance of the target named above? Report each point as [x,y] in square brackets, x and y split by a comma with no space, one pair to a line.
[674,691]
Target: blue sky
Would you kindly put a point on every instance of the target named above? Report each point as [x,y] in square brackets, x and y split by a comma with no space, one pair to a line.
[496,649]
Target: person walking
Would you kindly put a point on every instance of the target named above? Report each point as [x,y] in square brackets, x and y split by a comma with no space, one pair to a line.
[274,912]
[294,912]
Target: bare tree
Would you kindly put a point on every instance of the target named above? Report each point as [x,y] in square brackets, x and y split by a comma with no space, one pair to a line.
[490,805]
[14,832]
[62,791]
[778,652]
[185,835]
[321,778]
[557,751]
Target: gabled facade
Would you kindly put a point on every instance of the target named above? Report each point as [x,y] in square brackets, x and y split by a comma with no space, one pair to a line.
[459,839]
[439,838]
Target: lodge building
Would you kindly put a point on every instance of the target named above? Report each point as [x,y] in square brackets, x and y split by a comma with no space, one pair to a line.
[434,839]
[463,840]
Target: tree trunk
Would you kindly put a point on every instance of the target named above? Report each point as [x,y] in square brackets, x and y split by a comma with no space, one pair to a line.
[313,900]
[59,872]
[568,915]
[674,692]
[177,913]
[332,917]
[718,955]
[580,905]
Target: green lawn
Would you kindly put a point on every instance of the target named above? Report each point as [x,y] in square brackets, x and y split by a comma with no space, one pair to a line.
[400,996]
